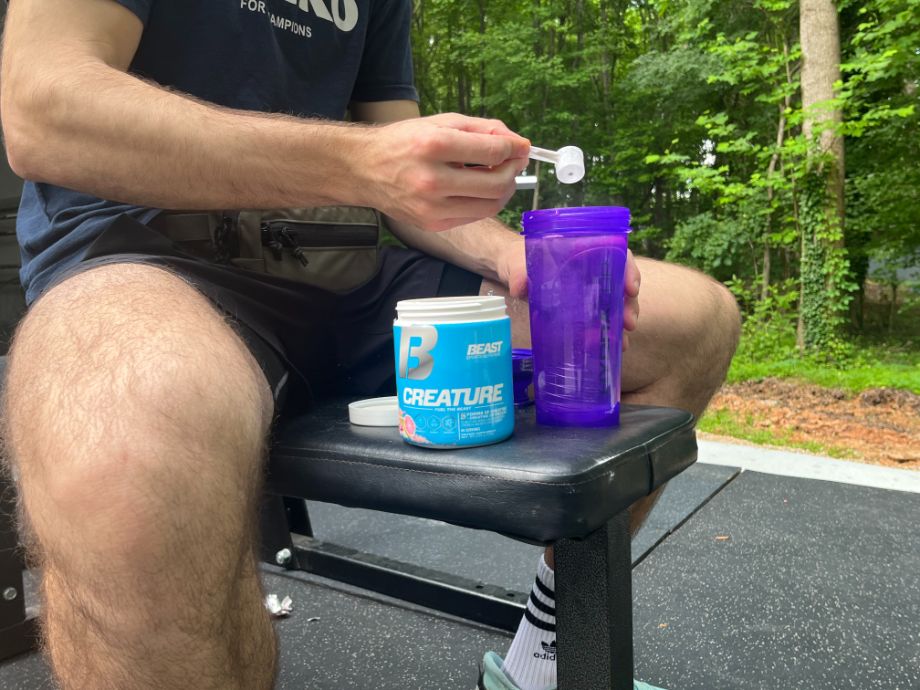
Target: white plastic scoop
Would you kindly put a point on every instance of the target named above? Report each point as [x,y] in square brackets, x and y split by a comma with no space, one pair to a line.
[569,162]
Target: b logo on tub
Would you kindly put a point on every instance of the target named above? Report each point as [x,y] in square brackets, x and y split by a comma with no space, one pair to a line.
[427,338]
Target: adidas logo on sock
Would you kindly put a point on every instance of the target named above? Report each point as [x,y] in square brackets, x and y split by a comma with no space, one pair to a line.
[549,651]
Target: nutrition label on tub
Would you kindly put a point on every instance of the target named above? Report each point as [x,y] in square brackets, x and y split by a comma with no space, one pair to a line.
[476,423]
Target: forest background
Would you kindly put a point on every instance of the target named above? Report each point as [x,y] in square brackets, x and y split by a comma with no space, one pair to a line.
[772,144]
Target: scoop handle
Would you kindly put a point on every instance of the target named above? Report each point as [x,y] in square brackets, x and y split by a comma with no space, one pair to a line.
[545,155]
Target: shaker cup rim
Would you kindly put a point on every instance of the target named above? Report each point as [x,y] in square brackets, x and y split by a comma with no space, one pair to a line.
[612,219]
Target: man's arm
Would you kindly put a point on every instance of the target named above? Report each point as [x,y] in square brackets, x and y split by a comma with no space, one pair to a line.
[73,116]
[486,247]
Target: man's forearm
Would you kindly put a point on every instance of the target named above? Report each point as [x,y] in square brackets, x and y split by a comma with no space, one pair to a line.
[480,247]
[109,133]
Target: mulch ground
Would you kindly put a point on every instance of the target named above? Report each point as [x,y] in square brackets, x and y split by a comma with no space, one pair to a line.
[880,425]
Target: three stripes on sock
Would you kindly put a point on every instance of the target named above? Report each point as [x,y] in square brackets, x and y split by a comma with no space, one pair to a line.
[531,660]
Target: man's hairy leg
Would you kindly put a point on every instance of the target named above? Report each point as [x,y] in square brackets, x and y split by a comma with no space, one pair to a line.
[687,333]
[136,420]
[680,351]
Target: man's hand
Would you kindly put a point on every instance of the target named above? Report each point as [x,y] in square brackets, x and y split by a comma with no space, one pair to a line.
[442,171]
[630,297]
[512,271]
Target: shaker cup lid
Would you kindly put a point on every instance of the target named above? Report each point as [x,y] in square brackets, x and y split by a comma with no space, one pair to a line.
[521,359]
[614,219]
[374,412]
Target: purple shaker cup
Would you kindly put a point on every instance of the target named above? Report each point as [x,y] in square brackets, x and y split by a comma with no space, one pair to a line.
[576,261]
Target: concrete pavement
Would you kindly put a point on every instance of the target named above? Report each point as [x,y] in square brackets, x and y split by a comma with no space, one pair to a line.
[792,464]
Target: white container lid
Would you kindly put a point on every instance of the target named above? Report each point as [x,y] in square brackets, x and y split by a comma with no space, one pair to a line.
[374,412]
[451,309]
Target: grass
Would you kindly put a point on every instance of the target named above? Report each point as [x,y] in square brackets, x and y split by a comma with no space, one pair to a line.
[726,423]
[855,377]
[874,361]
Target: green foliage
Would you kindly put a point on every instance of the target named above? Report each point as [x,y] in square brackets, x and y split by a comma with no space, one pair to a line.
[883,58]
[511,217]
[768,326]
[689,113]
[824,271]
[720,248]
[882,124]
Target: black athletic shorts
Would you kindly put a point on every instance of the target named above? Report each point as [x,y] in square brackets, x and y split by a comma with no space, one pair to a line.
[311,343]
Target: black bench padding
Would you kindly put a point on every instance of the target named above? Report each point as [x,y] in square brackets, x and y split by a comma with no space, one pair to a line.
[543,484]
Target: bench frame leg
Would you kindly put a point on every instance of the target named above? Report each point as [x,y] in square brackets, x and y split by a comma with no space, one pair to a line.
[275,544]
[594,608]
[18,627]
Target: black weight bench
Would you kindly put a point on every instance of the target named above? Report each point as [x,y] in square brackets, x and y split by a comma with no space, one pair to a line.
[570,487]
[566,486]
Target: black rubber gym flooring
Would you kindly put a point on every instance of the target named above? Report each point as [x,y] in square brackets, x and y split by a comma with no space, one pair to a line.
[772,583]
[781,583]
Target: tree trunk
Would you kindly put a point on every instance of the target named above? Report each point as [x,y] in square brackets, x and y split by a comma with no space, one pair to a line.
[605,58]
[771,169]
[893,308]
[822,230]
[820,37]
[765,276]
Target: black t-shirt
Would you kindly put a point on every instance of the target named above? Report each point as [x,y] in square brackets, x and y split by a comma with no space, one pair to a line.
[308,58]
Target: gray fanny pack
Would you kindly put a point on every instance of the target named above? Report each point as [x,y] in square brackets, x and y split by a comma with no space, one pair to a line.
[332,247]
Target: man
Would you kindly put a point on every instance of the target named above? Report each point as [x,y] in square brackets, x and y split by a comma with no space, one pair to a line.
[143,381]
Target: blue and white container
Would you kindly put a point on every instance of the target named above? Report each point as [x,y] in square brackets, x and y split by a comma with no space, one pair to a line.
[453,371]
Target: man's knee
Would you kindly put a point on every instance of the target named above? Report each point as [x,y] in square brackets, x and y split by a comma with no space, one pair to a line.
[709,334]
[709,348]
[687,333]
[124,387]
[725,319]
[685,310]
[132,341]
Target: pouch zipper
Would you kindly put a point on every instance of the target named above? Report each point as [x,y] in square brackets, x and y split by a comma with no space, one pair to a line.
[277,239]
[222,237]
[292,233]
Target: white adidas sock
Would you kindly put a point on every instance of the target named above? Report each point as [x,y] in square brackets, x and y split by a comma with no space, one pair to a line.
[531,660]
